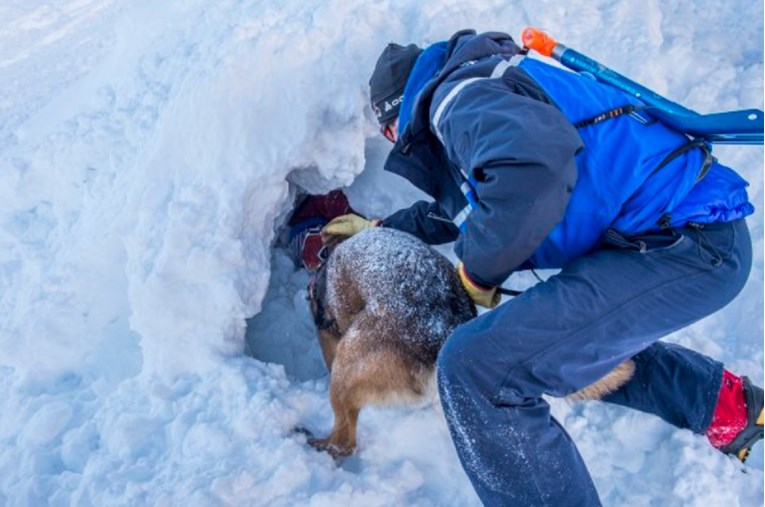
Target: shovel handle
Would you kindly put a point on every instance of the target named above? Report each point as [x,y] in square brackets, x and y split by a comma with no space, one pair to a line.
[536,39]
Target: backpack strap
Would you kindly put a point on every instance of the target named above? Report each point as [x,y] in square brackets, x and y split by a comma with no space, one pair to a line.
[666,218]
[709,159]
[613,113]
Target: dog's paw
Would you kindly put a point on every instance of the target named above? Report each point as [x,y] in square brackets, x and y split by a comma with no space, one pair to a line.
[338,452]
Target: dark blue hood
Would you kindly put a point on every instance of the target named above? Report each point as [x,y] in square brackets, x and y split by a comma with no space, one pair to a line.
[464,46]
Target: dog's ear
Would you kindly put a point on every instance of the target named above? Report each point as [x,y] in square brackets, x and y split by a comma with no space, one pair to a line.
[317,295]
[319,283]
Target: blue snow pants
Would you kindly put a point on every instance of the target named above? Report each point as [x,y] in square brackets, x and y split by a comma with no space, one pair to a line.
[566,333]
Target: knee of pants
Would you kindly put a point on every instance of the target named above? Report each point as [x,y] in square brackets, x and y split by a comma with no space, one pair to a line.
[469,364]
[461,361]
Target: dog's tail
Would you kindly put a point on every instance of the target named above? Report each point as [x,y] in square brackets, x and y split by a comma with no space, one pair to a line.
[608,384]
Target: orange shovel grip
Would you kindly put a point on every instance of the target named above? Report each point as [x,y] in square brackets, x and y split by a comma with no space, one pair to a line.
[536,39]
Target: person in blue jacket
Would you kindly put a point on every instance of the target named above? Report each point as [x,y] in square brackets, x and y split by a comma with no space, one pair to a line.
[531,166]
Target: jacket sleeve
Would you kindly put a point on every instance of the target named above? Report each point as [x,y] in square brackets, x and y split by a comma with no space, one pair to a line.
[424,220]
[519,152]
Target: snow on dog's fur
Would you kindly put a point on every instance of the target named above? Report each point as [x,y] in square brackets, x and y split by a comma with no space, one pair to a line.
[384,303]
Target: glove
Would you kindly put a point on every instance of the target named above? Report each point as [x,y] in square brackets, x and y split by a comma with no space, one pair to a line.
[488,297]
[345,226]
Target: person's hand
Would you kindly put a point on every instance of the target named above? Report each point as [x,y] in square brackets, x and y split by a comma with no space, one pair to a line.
[345,226]
[488,297]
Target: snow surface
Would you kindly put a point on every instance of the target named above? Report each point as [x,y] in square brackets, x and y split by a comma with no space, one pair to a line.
[150,151]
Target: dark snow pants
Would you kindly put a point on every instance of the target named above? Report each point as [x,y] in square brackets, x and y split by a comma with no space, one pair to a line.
[568,332]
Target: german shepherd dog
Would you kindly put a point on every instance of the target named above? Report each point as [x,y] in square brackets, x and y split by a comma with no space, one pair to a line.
[383,304]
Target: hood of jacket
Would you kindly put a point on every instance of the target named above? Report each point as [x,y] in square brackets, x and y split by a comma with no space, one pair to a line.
[416,139]
[464,46]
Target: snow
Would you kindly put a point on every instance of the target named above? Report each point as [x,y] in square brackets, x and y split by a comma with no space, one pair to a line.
[150,151]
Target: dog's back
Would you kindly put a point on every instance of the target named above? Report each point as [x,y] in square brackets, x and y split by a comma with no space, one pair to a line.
[408,288]
[384,304]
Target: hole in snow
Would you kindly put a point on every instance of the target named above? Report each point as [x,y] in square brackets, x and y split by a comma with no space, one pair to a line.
[283,332]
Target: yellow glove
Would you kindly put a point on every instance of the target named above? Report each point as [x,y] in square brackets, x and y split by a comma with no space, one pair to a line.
[345,226]
[488,297]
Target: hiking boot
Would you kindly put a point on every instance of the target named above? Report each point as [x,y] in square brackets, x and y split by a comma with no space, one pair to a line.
[741,446]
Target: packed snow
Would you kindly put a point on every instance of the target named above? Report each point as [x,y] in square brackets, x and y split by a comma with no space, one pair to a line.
[156,347]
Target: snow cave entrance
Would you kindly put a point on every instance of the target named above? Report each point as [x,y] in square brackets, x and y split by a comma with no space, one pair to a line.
[283,332]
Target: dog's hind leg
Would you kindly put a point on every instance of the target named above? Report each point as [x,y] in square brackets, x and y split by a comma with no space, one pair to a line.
[365,371]
[328,341]
[348,372]
[341,442]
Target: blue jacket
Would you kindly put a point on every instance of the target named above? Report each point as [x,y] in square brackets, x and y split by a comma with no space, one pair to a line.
[491,137]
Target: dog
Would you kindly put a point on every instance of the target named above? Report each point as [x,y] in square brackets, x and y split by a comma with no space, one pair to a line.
[383,304]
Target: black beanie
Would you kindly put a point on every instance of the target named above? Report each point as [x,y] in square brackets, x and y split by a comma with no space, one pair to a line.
[386,86]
